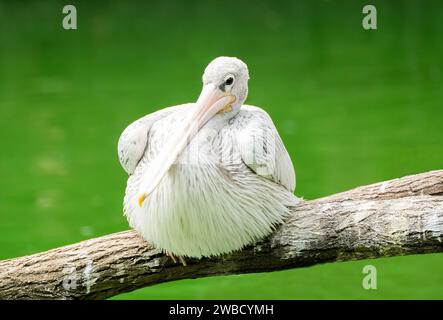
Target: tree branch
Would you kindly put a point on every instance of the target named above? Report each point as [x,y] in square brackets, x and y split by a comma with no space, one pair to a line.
[397,217]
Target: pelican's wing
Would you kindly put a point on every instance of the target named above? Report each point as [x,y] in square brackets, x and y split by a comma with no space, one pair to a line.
[261,147]
[133,140]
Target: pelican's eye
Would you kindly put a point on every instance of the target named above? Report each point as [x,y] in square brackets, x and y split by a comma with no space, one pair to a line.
[229,81]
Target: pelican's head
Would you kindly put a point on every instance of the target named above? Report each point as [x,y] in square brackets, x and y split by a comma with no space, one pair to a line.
[225,87]
[227,77]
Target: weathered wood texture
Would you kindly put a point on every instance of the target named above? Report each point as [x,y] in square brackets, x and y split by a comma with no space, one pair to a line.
[401,216]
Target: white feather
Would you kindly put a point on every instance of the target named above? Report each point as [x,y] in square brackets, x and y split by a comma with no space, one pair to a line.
[133,140]
[220,195]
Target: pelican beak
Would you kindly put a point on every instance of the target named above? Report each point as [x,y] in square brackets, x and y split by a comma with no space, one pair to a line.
[211,101]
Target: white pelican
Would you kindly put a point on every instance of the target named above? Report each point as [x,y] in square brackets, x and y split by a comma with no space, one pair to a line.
[210,177]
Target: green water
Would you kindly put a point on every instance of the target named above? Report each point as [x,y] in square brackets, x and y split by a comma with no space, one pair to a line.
[352,106]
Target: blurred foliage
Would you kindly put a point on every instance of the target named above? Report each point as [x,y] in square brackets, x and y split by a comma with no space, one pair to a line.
[353,107]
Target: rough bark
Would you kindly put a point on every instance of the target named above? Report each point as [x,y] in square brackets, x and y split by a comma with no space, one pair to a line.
[397,217]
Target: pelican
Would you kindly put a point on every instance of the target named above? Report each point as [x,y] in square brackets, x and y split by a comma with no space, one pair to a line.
[210,177]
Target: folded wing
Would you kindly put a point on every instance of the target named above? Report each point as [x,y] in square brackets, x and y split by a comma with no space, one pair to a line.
[261,147]
[133,140]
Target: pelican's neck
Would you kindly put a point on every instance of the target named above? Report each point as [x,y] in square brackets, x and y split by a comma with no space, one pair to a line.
[229,112]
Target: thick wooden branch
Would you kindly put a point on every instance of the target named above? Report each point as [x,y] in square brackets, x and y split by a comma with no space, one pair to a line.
[401,216]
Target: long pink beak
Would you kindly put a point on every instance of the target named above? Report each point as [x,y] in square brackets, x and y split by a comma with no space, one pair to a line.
[210,102]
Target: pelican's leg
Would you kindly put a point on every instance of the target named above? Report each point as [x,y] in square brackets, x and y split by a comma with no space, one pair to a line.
[182,260]
[171,255]
[174,258]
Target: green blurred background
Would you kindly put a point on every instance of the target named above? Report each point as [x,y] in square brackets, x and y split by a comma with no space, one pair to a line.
[352,106]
